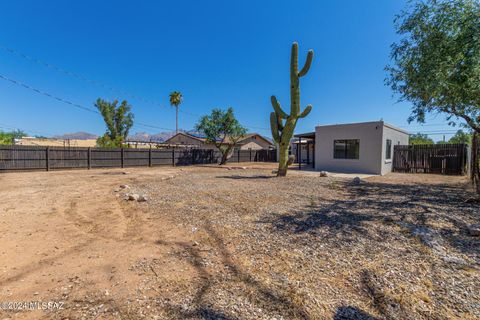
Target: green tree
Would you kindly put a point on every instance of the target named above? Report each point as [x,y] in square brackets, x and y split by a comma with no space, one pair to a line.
[9,137]
[420,138]
[436,64]
[461,137]
[6,138]
[118,120]
[223,130]
[176,99]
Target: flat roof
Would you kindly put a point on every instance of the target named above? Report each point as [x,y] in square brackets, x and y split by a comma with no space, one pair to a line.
[305,135]
[366,122]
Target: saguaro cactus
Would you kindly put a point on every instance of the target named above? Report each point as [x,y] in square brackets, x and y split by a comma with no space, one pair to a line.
[282,131]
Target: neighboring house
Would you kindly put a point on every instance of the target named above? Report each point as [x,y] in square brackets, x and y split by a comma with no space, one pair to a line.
[365,147]
[252,141]
[51,142]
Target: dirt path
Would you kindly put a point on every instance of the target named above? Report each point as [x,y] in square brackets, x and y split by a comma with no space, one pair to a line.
[67,236]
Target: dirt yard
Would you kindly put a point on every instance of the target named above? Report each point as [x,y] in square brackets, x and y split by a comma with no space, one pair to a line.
[214,243]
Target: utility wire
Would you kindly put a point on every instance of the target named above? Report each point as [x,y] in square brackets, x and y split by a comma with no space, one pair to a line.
[65,101]
[77,76]
[96,82]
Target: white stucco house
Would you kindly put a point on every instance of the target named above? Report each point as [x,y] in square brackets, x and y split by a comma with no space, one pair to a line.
[365,147]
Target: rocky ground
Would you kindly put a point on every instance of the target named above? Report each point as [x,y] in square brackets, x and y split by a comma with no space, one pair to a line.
[214,243]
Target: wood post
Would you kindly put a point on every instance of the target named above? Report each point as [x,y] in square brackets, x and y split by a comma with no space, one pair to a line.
[238,154]
[47,158]
[173,157]
[150,156]
[122,157]
[299,151]
[250,149]
[89,158]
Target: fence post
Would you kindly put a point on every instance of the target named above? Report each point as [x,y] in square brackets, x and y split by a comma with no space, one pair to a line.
[122,157]
[89,158]
[47,158]
[173,157]
[150,156]
[238,154]
[250,149]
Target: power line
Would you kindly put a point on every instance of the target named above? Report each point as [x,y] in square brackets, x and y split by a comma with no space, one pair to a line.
[77,75]
[65,101]
[96,82]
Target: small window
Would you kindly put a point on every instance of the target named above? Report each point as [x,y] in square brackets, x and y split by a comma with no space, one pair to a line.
[388,150]
[346,149]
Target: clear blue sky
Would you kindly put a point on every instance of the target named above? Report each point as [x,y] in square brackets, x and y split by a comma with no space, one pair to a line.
[217,53]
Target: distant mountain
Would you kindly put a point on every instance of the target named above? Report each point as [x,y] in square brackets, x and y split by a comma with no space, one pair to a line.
[77,135]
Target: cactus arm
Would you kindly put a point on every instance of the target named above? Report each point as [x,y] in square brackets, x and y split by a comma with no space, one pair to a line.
[278,108]
[274,127]
[306,111]
[307,65]
[279,123]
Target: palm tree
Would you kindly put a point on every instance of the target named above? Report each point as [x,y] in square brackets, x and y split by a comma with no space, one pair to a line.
[175,101]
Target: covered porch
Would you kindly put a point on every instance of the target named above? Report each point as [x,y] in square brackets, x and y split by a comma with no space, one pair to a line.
[303,147]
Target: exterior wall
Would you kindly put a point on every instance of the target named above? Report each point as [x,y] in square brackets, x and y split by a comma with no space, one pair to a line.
[254,142]
[251,145]
[370,149]
[47,142]
[398,137]
[189,141]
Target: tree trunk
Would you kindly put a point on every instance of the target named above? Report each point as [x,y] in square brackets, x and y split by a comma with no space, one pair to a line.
[283,160]
[226,154]
[474,163]
[176,120]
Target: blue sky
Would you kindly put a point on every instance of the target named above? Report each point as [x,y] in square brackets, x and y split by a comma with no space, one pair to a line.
[217,53]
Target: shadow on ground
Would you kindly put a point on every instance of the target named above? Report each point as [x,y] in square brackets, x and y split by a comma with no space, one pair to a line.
[239,177]
[422,206]
[266,297]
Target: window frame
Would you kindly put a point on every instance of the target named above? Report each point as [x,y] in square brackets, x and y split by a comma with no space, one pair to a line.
[388,149]
[346,152]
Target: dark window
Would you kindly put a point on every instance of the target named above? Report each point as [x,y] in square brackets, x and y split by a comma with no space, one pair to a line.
[388,150]
[346,149]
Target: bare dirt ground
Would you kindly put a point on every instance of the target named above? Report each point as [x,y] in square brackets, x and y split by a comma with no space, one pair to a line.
[238,244]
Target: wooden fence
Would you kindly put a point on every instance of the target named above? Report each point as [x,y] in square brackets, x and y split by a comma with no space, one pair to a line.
[435,158]
[51,158]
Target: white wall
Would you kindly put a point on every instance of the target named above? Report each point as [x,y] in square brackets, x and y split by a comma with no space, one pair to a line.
[370,136]
[398,137]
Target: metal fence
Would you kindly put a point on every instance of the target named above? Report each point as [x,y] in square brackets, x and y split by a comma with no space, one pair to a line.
[51,158]
[435,158]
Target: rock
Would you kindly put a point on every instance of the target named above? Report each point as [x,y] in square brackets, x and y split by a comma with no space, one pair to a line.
[474,230]
[244,168]
[356,180]
[142,198]
[323,174]
[133,197]
[124,186]
[195,243]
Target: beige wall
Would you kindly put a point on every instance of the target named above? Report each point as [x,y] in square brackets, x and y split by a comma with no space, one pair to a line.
[254,143]
[26,141]
[186,140]
[398,137]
